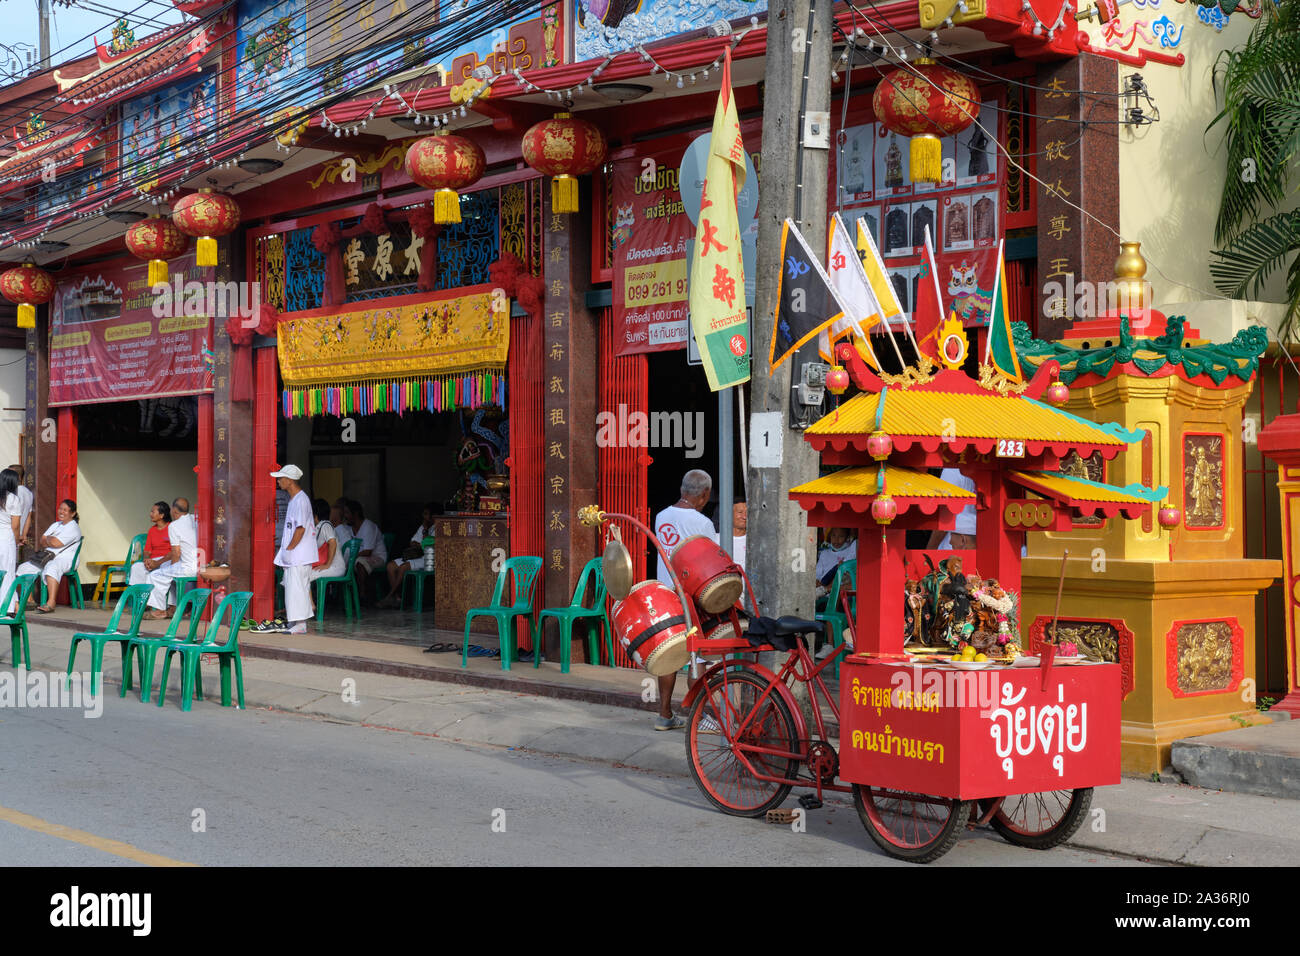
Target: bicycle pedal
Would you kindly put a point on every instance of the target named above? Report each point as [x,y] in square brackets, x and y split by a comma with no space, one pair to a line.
[809,802]
[781,816]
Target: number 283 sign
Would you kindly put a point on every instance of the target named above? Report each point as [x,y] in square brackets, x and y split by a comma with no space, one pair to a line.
[1011,448]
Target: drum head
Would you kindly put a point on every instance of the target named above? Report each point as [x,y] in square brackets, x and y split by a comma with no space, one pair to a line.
[616,566]
[668,657]
[720,594]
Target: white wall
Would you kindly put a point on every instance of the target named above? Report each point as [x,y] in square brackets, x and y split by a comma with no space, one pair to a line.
[13,394]
[115,490]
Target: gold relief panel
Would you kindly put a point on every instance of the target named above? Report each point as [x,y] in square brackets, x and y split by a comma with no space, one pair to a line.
[1092,468]
[1098,639]
[1204,657]
[1203,502]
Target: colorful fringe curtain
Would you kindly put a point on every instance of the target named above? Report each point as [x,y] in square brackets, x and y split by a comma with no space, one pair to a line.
[441,393]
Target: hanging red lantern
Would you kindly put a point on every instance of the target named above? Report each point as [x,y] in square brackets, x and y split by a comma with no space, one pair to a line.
[565,148]
[1058,393]
[1169,516]
[837,380]
[28,286]
[884,509]
[445,163]
[879,445]
[206,215]
[157,240]
[926,101]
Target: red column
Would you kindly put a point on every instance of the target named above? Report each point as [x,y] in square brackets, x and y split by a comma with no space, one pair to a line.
[879,627]
[66,483]
[205,499]
[997,548]
[1280,441]
[262,526]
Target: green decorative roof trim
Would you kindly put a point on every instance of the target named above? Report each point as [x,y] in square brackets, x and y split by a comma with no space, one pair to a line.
[1238,358]
[1114,429]
[1151,495]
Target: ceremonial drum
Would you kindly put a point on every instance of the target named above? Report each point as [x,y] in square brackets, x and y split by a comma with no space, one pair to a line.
[651,624]
[708,575]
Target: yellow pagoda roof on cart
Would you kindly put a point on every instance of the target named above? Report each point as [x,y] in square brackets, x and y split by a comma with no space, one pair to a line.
[864,481]
[959,419]
[1090,496]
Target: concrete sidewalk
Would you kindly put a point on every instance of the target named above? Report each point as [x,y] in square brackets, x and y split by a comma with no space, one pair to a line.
[1161,822]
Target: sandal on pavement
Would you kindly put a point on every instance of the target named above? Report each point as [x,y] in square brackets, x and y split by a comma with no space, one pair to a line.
[669,723]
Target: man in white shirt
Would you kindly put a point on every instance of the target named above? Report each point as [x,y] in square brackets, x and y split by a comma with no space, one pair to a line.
[373,554]
[297,550]
[674,525]
[962,536]
[25,498]
[182,562]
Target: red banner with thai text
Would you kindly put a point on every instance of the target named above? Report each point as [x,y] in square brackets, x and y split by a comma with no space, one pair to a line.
[113,340]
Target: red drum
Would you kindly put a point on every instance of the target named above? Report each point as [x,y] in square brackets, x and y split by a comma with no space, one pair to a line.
[708,574]
[651,625]
[717,630]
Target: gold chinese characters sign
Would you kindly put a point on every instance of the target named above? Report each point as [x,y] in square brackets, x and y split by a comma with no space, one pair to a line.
[404,337]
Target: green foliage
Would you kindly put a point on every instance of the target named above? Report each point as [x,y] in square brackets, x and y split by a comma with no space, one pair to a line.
[1259,83]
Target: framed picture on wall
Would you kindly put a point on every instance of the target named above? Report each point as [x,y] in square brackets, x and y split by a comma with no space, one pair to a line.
[891,163]
[898,230]
[956,223]
[976,152]
[855,164]
[924,216]
[984,218]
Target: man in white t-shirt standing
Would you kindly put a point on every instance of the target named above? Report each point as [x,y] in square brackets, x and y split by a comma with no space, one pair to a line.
[298,549]
[962,536]
[674,525]
[182,562]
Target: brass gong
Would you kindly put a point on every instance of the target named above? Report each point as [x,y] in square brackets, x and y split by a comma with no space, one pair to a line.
[616,565]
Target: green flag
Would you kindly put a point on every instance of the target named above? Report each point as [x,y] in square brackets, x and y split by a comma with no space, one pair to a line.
[1000,350]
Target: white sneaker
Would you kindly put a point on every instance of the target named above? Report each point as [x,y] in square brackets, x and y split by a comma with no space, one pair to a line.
[709,726]
[299,628]
[826,651]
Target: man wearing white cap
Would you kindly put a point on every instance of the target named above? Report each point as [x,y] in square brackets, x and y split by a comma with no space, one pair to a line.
[297,549]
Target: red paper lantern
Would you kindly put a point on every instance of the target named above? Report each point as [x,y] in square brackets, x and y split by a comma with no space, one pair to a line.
[837,380]
[28,286]
[879,445]
[1058,393]
[565,148]
[1170,517]
[884,510]
[446,163]
[206,215]
[926,101]
[157,240]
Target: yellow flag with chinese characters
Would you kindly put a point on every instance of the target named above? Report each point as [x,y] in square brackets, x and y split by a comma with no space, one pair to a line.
[719,319]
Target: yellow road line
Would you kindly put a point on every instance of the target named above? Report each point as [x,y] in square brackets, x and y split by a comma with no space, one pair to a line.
[116,847]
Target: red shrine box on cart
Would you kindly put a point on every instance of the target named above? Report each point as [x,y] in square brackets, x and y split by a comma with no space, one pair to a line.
[984,733]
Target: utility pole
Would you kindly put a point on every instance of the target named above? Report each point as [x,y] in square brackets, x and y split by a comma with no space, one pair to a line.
[792,183]
[45,34]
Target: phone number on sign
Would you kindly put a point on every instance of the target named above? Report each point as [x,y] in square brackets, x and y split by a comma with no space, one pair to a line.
[666,291]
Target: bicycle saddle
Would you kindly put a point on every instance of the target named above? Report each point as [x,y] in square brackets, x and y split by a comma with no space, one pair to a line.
[780,632]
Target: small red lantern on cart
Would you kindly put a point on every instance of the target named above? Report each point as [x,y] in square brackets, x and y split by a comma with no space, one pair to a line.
[157,240]
[565,148]
[445,163]
[1169,516]
[926,101]
[837,380]
[28,286]
[1058,393]
[879,445]
[884,510]
[206,215]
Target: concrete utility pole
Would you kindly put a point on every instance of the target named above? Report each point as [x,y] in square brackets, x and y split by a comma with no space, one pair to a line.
[45,34]
[792,183]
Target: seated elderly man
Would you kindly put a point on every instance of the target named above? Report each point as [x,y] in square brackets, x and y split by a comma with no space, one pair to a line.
[182,562]
[374,553]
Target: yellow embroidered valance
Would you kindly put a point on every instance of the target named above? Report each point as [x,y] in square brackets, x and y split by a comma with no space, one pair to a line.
[404,337]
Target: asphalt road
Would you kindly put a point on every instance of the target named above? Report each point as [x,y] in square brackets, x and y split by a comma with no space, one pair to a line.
[223,787]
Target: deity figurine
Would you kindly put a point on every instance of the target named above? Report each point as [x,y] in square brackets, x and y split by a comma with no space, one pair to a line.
[1205,492]
[893,163]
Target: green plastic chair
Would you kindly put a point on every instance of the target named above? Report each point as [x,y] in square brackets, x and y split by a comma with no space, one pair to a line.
[134,555]
[231,610]
[833,616]
[75,595]
[184,584]
[527,574]
[135,597]
[23,584]
[421,577]
[145,649]
[348,579]
[595,616]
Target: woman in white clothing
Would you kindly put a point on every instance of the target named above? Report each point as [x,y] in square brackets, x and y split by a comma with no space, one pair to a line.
[13,509]
[61,538]
[332,565]
[413,556]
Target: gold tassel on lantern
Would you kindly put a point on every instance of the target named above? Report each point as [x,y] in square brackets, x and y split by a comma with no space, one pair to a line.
[205,251]
[446,206]
[926,158]
[26,316]
[564,194]
[158,272]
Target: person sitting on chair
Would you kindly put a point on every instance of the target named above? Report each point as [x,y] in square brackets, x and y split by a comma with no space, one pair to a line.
[330,563]
[182,559]
[413,556]
[374,554]
[60,538]
[157,546]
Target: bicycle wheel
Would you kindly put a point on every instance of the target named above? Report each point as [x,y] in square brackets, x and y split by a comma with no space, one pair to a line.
[718,771]
[910,826]
[1041,821]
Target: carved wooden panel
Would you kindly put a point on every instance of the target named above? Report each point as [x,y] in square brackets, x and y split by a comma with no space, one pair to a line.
[1204,657]
[1098,639]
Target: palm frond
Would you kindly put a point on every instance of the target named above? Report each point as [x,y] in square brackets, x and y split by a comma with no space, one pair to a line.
[1241,268]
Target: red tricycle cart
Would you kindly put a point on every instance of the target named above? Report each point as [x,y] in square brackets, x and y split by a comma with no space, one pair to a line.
[926,744]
